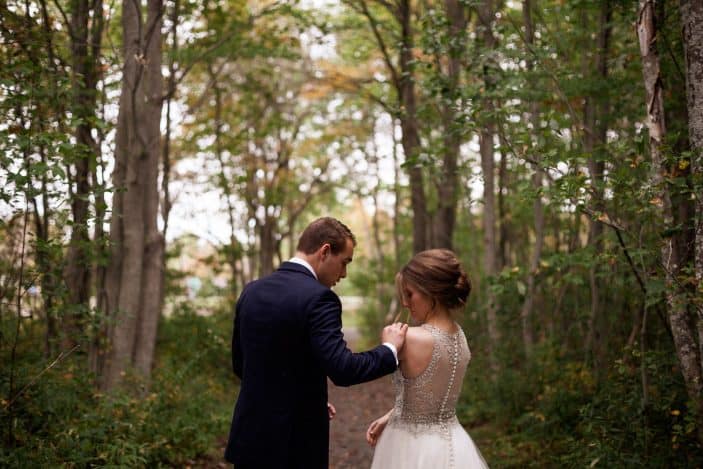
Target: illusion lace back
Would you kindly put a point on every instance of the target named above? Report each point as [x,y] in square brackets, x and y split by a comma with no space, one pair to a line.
[423,431]
[430,399]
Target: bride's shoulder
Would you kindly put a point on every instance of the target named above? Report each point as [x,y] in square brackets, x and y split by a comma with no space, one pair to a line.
[416,353]
[418,338]
[419,334]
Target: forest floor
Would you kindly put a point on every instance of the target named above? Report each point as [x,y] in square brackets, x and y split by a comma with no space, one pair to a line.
[357,407]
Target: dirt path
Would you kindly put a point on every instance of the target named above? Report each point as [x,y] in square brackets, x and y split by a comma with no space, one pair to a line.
[357,407]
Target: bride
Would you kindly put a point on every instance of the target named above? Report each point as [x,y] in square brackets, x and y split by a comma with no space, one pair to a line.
[422,430]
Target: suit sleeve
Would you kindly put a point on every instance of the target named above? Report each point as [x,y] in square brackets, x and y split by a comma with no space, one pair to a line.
[327,342]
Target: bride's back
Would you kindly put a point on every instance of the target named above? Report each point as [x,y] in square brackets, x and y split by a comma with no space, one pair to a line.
[429,381]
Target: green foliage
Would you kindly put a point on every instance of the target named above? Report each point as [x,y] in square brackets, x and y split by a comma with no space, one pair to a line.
[61,420]
[617,427]
[556,413]
[379,294]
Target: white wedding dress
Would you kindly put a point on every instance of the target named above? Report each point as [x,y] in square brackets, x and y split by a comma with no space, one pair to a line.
[423,431]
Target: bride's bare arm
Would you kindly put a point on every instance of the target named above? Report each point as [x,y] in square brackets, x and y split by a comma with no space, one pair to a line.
[376,428]
[414,358]
[417,352]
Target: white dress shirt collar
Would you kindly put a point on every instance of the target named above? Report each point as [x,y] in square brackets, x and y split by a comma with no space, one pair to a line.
[304,263]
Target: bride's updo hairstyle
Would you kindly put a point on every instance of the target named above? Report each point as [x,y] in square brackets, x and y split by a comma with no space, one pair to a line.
[438,274]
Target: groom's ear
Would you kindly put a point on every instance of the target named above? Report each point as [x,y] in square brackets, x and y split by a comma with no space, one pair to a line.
[325,250]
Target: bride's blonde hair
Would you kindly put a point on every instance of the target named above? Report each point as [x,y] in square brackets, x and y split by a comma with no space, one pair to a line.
[438,274]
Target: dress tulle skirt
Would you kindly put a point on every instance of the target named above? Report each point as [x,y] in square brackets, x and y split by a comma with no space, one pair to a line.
[435,447]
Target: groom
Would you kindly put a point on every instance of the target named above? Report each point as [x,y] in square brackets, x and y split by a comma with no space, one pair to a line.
[287,340]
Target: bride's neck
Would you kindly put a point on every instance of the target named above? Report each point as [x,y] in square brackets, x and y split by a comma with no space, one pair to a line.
[441,318]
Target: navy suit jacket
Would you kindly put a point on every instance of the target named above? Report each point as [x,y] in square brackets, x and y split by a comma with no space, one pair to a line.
[287,340]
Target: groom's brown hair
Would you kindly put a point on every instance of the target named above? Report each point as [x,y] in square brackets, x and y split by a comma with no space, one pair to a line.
[325,230]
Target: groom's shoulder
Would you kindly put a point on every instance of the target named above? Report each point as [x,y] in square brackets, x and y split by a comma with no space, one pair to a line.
[293,278]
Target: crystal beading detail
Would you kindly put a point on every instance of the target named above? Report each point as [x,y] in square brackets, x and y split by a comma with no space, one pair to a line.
[427,403]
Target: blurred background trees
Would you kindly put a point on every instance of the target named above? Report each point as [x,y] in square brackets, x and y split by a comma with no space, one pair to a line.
[158,155]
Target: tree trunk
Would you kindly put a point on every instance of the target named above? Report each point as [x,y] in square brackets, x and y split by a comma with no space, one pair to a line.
[538,210]
[46,263]
[489,239]
[77,271]
[97,350]
[100,252]
[692,19]
[486,15]
[381,278]
[153,268]
[233,250]
[448,185]
[403,79]
[684,337]
[411,148]
[396,199]
[86,45]
[134,286]
[409,125]
[503,215]
[267,229]
[166,150]
[596,110]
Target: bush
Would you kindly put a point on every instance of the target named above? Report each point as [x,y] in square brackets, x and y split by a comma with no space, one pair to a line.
[553,413]
[61,420]
[616,429]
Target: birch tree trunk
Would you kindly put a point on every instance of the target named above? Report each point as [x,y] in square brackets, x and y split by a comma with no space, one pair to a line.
[684,337]
[134,281]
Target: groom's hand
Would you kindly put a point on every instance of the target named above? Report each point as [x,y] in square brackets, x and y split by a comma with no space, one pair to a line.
[395,334]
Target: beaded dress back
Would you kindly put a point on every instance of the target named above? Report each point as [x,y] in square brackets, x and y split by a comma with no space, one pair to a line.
[427,403]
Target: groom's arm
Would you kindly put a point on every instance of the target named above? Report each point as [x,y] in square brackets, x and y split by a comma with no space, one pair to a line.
[324,321]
